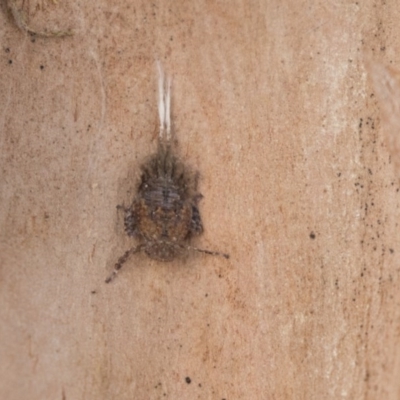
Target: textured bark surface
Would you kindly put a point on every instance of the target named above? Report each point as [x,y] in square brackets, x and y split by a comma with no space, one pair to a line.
[273,105]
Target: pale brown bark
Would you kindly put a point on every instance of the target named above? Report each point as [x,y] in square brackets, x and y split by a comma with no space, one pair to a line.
[273,105]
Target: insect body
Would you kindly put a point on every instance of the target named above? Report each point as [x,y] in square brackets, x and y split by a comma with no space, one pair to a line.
[164,214]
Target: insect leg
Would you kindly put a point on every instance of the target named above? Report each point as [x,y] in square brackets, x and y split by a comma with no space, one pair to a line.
[211,253]
[122,260]
[196,226]
[129,219]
